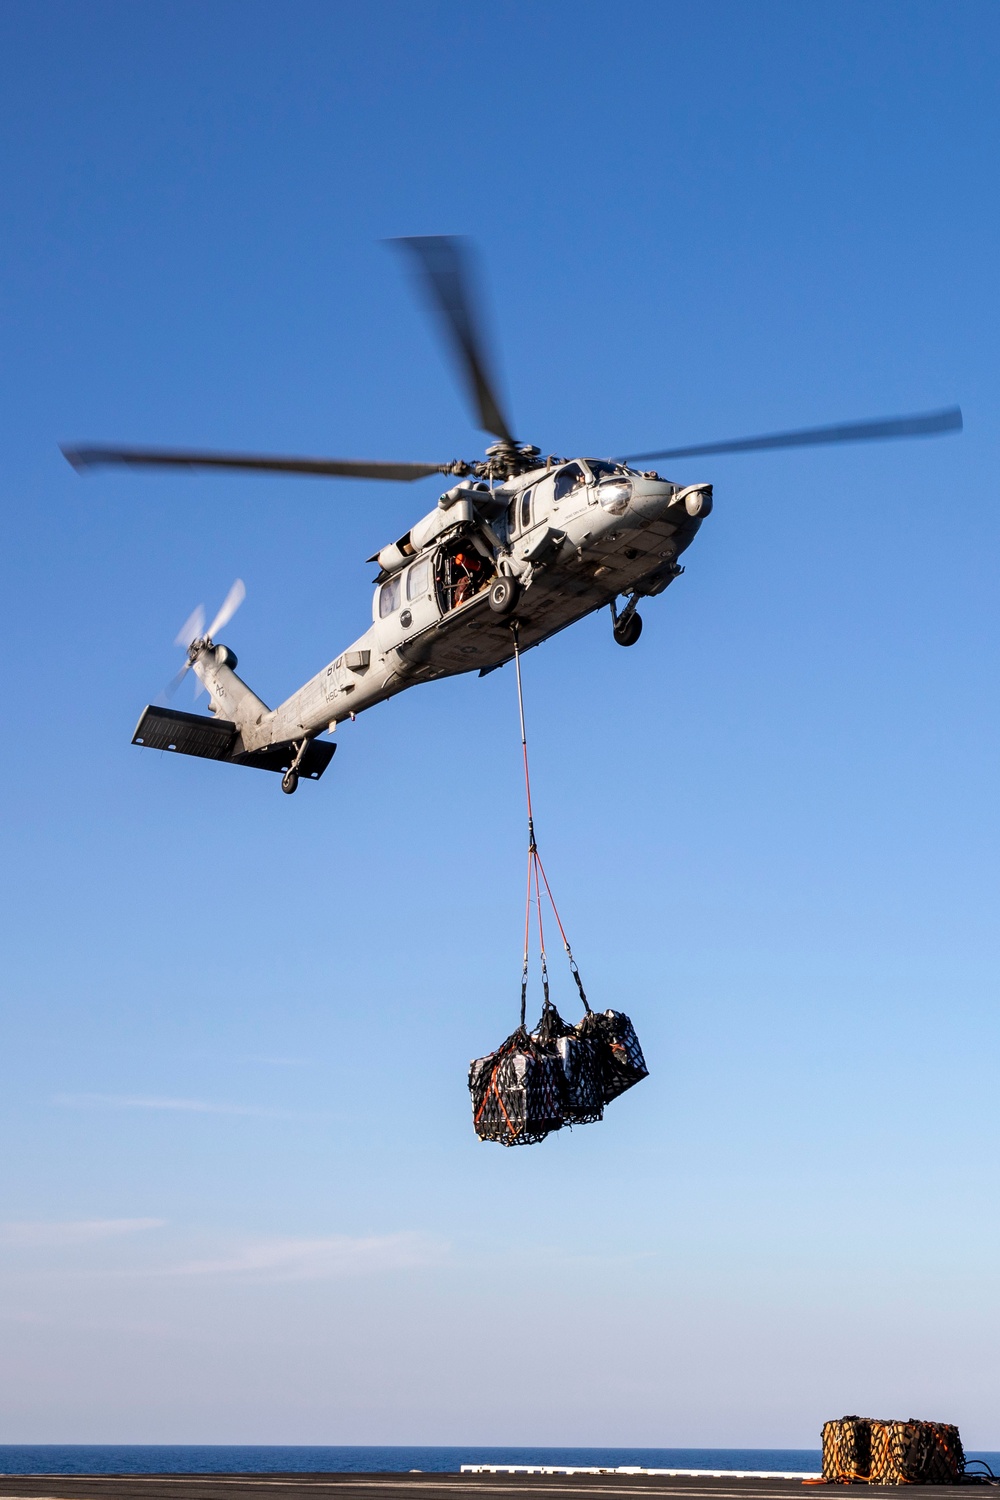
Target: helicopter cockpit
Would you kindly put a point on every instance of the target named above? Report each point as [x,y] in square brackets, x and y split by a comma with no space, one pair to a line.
[568,480]
[573,476]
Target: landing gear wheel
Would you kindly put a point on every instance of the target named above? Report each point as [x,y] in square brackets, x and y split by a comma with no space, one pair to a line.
[289,782]
[503,595]
[628,631]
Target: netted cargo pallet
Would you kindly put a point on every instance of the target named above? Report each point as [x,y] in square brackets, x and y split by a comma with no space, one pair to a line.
[518,1092]
[622,1062]
[866,1450]
[582,1064]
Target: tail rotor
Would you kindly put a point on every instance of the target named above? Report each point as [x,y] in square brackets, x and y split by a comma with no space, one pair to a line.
[193,635]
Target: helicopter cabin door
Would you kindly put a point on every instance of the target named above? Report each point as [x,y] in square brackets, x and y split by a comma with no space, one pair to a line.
[406,603]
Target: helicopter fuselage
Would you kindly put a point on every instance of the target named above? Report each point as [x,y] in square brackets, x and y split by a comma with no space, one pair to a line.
[570,536]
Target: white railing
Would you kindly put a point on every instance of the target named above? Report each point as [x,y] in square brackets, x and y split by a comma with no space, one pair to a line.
[628,1469]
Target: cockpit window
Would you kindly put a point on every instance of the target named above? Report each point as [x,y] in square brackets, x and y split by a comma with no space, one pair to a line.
[388,599]
[601,468]
[567,480]
[526,510]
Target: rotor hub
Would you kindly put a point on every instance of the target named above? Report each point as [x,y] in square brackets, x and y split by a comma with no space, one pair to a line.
[505,459]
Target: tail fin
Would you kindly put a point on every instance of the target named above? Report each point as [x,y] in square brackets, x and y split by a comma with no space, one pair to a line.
[228,695]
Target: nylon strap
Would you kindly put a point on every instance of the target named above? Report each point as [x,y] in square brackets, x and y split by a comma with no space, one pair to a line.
[537,877]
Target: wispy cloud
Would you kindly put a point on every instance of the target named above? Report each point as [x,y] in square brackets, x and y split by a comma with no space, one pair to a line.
[337,1255]
[156,1101]
[245,1258]
[71,1231]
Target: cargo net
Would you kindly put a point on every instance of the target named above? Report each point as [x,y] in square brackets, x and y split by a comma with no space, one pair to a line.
[538,1081]
[863,1450]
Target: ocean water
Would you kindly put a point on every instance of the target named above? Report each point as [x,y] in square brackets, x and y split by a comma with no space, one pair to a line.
[134,1458]
[211,1459]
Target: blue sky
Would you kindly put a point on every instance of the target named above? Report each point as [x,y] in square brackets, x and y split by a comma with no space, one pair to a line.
[241,1196]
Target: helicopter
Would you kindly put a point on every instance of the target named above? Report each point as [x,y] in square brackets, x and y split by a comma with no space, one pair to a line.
[518,547]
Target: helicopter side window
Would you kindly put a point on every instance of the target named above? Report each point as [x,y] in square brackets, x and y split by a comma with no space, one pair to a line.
[418,579]
[567,480]
[526,510]
[388,599]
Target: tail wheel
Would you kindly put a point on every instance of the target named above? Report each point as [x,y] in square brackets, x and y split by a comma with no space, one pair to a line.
[289,782]
[503,595]
[629,631]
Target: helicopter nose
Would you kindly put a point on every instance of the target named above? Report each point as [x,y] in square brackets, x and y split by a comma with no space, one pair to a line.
[657,500]
[651,499]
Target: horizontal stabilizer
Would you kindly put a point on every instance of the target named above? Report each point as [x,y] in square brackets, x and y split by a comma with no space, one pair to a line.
[218,739]
[188,734]
[279,757]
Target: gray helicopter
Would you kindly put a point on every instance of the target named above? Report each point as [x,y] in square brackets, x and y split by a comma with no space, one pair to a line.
[518,547]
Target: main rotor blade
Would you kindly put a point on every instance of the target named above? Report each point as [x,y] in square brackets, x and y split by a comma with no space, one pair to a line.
[228,608]
[445,263]
[91,457]
[927,424]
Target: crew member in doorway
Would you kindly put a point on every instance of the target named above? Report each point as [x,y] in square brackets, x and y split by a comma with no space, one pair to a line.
[468,573]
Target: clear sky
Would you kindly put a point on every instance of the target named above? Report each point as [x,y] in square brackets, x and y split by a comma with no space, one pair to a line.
[241,1195]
